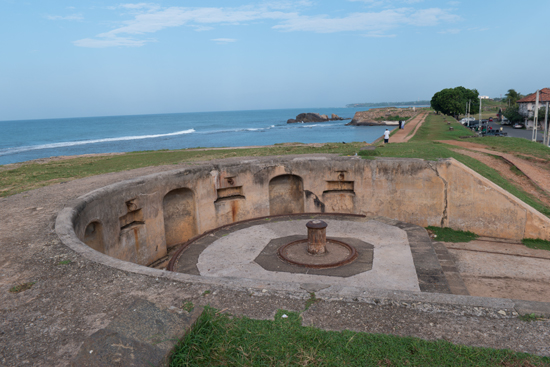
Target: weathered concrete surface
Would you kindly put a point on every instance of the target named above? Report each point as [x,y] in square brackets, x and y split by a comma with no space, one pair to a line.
[142,336]
[138,217]
[47,324]
[393,268]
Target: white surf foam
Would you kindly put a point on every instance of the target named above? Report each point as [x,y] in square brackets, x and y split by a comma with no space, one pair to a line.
[94,141]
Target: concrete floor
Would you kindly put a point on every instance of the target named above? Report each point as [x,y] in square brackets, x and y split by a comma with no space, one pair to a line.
[393,268]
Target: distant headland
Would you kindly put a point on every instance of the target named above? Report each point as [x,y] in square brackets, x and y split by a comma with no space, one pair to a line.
[389,104]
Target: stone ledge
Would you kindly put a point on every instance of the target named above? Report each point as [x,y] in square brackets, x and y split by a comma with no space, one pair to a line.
[143,335]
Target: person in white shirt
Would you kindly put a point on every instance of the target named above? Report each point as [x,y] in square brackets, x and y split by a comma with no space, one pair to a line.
[386,136]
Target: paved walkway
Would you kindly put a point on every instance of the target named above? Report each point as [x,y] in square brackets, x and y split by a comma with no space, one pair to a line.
[403,136]
[538,175]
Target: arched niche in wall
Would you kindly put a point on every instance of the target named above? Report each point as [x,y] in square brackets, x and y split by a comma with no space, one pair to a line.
[180,222]
[93,236]
[286,195]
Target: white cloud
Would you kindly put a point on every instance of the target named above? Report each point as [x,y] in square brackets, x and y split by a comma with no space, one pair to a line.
[379,35]
[66,17]
[373,21]
[150,18]
[451,31]
[224,40]
[111,42]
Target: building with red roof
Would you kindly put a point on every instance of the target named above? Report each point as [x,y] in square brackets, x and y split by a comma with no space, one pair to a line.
[527,104]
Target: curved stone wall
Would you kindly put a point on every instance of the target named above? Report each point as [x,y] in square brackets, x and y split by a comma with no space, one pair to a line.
[139,220]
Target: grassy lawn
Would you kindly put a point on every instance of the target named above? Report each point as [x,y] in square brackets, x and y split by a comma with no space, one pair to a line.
[30,176]
[221,340]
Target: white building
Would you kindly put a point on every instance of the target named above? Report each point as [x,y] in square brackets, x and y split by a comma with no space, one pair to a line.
[527,104]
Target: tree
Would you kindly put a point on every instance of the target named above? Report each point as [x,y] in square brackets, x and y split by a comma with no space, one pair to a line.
[453,101]
[512,114]
[512,97]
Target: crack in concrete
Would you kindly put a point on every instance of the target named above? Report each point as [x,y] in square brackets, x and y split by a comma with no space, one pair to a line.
[444,215]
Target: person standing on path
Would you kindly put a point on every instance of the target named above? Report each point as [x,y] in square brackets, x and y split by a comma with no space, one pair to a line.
[386,136]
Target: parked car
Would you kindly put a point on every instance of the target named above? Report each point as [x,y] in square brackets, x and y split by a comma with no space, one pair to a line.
[465,120]
[517,125]
[494,132]
[490,119]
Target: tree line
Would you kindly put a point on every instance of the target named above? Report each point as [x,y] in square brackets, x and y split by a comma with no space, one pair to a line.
[454,102]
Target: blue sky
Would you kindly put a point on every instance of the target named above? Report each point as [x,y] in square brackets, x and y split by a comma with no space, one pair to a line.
[97,58]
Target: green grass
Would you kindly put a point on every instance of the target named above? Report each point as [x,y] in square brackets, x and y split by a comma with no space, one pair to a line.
[28,176]
[450,235]
[64,262]
[536,243]
[21,287]
[188,306]
[515,146]
[530,317]
[221,340]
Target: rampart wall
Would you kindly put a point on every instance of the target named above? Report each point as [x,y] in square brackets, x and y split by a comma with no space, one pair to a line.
[140,219]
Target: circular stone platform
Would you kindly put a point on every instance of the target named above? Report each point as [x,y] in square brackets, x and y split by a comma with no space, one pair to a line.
[337,253]
[394,257]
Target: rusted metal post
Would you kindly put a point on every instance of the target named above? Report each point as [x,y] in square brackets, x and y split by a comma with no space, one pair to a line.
[316,237]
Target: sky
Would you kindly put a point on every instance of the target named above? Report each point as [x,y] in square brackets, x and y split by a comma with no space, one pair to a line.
[68,58]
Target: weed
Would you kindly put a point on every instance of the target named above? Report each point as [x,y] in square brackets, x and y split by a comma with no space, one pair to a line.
[188,306]
[446,234]
[311,300]
[21,287]
[64,262]
[529,317]
[206,293]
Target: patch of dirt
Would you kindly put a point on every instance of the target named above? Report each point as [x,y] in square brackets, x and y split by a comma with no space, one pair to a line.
[504,168]
[503,270]
[404,135]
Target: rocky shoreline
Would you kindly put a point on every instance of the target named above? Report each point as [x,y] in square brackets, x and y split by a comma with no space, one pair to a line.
[314,117]
[388,116]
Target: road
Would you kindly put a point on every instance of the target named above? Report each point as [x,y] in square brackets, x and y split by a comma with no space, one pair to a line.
[517,133]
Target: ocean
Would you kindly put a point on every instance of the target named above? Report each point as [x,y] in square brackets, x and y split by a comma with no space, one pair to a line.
[24,140]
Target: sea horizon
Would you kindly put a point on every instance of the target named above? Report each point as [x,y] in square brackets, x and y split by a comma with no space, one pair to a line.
[31,139]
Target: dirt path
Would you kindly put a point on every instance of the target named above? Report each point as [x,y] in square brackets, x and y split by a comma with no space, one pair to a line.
[503,270]
[539,176]
[402,136]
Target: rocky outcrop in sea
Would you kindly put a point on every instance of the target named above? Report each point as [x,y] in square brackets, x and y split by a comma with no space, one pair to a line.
[314,117]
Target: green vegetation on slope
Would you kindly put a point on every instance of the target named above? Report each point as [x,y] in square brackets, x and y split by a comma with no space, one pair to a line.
[425,145]
[220,340]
